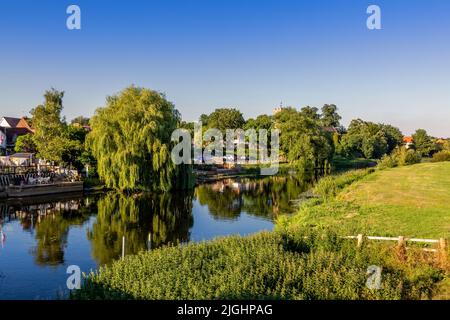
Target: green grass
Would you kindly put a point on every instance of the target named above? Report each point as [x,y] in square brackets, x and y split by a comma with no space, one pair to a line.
[328,187]
[343,164]
[412,201]
[276,265]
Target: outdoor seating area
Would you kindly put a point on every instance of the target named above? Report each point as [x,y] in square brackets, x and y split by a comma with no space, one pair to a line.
[41,178]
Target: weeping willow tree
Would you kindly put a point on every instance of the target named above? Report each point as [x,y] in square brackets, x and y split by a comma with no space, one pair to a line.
[131,141]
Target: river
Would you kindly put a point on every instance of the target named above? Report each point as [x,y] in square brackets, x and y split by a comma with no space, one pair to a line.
[41,237]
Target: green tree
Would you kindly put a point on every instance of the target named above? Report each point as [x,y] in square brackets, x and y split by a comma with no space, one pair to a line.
[75,152]
[25,143]
[263,121]
[302,138]
[423,142]
[393,135]
[330,116]
[131,141]
[50,136]
[225,118]
[204,119]
[369,140]
[310,112]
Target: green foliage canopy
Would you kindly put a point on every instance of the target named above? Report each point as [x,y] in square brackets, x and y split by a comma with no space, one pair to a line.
[303,139]
[224,118]
[370,140]
[50,136]
[25,143]
[423,142]
[131,141]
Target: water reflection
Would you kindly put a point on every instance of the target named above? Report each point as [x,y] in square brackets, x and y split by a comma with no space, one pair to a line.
[162,219]
[146,220]
[265,197]
[49,223]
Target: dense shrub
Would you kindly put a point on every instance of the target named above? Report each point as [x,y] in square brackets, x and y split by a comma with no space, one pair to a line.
[408,157]
[288,265]
[331,185]
[387,161]
[440,156]
[400,157]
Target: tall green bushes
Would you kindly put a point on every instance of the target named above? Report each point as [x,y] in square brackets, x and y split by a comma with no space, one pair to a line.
[440,156]
[289,265]
[400,157]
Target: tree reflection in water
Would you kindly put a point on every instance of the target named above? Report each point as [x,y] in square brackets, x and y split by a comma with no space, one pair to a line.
[165,217]
[50,223]
[265,197]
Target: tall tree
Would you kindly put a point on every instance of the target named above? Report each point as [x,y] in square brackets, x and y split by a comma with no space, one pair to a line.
[330,116]
[263,121]
[50,136]
[367,139]
[310,112]
[225,118]
[131,141]
[394,136]
[423,142]
[302,138]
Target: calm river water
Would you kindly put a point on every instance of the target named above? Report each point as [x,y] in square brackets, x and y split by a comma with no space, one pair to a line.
[41,237]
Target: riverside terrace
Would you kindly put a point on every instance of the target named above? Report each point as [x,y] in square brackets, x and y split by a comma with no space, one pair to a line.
[13,185]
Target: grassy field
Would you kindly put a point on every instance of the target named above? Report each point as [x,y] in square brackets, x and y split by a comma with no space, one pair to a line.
[412,201]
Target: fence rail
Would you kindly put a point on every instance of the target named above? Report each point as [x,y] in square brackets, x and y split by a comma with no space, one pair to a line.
[401,240]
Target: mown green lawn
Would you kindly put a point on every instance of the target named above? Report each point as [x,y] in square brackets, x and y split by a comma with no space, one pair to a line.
[413,201]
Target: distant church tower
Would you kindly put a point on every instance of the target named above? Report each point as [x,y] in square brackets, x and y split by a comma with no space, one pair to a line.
[276,110]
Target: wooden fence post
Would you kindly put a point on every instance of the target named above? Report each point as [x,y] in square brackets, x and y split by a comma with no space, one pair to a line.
[442,244]
[443,256]
[360,238]
[123,247]
[401,241]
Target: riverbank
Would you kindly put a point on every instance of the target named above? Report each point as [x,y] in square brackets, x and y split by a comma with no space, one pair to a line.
[25,191]
[298,260]
[412,201]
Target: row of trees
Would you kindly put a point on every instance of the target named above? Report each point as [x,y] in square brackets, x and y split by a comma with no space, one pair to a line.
[130,141]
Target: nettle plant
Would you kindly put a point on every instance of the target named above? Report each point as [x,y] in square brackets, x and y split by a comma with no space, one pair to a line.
[241,147]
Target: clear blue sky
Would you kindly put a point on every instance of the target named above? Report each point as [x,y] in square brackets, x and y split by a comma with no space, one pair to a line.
[248,54]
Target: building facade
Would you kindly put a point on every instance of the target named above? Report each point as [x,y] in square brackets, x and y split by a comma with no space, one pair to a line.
[12,128]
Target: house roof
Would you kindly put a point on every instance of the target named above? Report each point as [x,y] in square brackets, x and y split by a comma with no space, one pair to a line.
[408,139]
[330,129]
[12,122]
